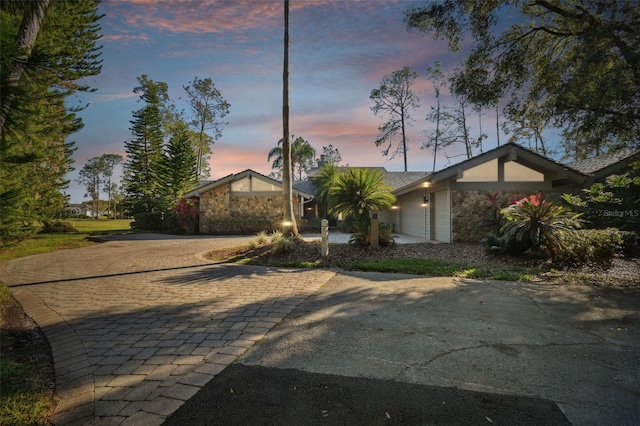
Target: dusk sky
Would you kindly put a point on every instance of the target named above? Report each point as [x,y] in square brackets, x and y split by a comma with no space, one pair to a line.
[339,51]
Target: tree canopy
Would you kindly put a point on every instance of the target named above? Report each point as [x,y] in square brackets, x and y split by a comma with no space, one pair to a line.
[302,154]
[576,62]
[395,99]
[208,107]
[38,72]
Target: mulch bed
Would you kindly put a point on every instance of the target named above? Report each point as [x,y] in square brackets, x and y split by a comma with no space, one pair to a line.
[623,272]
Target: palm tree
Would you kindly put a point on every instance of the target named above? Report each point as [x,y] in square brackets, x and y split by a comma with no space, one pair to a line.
[357,191]
[323,181]
[301,154]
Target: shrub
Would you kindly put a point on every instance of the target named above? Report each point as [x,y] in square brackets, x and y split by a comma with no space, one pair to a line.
[156,221]
[52,227]
[536,222]
[243,226]
[591,246]
[262,237]
[363,237]
[629,242]
[281,243]
[186,213]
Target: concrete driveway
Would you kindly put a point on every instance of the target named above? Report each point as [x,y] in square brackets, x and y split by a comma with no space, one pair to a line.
[576,346]
[139,325]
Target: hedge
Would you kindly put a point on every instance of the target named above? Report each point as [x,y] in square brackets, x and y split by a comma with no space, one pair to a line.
[248,226]
[157,221]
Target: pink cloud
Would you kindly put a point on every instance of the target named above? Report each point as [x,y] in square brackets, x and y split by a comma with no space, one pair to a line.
[125,38]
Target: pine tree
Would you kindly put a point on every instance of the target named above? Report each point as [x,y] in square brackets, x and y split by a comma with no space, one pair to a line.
[144,185]
[34,150]
[180,163]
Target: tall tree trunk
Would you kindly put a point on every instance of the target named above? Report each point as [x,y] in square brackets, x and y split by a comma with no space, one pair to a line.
[289,218]
[404,141]
[26,39]
[435,148]
[497,125]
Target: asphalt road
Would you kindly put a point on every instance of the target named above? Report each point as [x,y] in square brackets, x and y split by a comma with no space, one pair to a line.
[393,349]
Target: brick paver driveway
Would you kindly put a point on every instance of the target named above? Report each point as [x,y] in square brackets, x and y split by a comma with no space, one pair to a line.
[138,325]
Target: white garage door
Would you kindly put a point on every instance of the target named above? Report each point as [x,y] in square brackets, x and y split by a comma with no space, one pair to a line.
[442,216]
[415,217]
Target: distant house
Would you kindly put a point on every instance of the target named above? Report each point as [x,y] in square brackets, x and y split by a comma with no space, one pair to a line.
[247,195]
[78,210]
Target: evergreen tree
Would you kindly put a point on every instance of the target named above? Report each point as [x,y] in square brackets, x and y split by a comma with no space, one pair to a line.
[180,163]
[34,149]
[144,184]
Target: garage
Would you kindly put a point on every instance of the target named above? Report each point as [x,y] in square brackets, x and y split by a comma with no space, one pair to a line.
[442,216]
[414,217]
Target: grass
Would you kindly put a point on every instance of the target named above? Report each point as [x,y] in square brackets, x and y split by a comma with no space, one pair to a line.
[23,399]
[415,266]
[441,268]
[44,243]
[93,227]
[4,292]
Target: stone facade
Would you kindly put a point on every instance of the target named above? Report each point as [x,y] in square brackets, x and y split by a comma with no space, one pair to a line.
[215,203]
[220,203]
[256,206]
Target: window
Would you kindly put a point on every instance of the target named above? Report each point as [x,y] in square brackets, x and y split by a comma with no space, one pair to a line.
[242,185]
[252,184]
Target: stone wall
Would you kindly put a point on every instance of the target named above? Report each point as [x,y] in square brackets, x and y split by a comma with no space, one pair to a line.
[214,204]
[256,206]
[221,203]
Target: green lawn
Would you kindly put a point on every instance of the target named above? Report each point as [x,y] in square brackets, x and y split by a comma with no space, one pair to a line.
[442,268]
[90,226]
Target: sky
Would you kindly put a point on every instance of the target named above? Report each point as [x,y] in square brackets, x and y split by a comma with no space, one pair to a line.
[340,50]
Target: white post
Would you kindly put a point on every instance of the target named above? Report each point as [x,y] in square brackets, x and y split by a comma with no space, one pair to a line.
[324,249]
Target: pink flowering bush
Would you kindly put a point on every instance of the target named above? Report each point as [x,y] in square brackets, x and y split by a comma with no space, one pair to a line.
[186,212]
[534,222]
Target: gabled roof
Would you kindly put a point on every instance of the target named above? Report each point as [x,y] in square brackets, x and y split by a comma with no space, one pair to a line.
[209,185]
[396,180]
[305,186]
[514,152]
[591,166]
